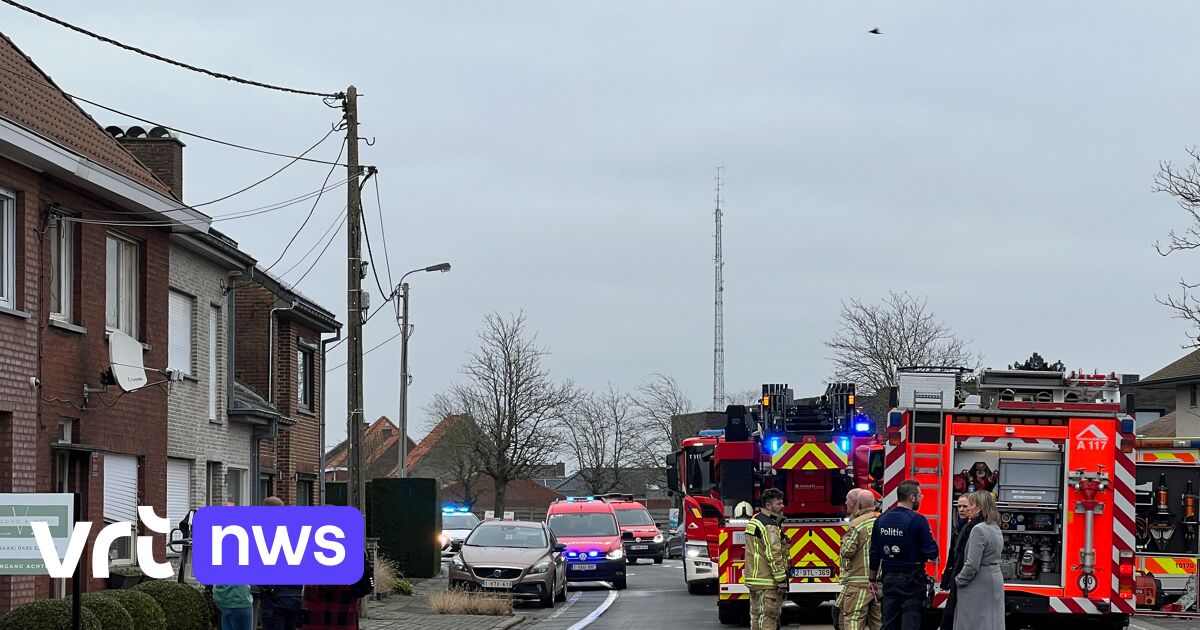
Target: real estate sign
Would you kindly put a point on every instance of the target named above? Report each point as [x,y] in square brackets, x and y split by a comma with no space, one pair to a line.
[19,553]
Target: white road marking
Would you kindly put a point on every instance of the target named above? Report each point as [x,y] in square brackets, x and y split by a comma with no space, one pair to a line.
[570,602]
[587,621]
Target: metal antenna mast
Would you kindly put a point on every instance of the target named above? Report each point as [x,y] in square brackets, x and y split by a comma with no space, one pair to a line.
[719,311]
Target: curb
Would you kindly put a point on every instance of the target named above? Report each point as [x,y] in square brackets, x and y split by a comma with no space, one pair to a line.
[511,622]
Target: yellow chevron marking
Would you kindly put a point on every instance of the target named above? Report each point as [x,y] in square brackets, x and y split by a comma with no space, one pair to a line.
[810,537]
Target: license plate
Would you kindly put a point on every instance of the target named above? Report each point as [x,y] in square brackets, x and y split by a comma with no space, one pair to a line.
[638,547]
[583,567]
[497,584]
[812,573]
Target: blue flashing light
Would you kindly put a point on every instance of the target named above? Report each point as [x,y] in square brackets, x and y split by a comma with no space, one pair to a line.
[447,509]
[862,427]
[1127,425]
[593,554]
[895,418]
[572,554]
[711,433]
[844,444]
[773,444]
[464,509]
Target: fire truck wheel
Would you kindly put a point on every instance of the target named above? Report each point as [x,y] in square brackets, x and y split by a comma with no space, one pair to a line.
[658,560]
[733,615]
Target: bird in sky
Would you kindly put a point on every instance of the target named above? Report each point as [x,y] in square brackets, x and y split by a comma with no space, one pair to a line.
[875,31]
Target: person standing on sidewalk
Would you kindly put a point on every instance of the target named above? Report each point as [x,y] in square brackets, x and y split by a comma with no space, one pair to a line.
[955,557]
[980,582]
[858,605]
[281,607]
[335,606]
[237,606]
[765,572]
[901,544]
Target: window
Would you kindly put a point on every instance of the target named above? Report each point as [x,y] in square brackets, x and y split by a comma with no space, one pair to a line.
[266,486]
[1192,396]
[212,484]
[62,267]
[8,249]
[179,492]
[304,378]
[304,490]
[235,486]
[214,315]
[120,501]
[121,285]
[179,346]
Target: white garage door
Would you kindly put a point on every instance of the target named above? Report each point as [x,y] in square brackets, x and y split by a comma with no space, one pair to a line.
[179,495]
[120,488]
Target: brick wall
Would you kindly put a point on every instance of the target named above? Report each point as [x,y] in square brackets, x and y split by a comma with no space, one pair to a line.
[191,434]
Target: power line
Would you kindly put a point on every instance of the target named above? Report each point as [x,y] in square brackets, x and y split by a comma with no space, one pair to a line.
[281,169]
[379,206]
[192,134]
[371,257]
[337,222]
[380,345]
[318,258]
[180,64]
[310,211]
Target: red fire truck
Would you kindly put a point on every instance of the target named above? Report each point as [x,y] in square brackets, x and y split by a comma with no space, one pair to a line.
[814,449]
[1057,453]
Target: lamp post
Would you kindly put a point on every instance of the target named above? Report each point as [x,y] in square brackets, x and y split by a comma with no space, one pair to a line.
[405,333]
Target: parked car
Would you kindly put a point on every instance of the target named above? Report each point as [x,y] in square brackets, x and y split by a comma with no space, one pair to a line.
[675,542]
[640,536]
[457,523]
[518,558]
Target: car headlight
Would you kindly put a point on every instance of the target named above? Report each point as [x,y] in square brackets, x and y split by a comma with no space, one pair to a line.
[658,538]
[541,567]
[443,539]
[696,551]
[616,554]
[457,564]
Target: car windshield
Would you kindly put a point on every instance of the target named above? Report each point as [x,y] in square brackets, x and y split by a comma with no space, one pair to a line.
[459,521]
[579,525]
[633,517]
[514,536]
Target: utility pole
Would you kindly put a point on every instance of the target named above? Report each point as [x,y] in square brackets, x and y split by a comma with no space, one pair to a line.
[403,444]
[718,311]
[354,275]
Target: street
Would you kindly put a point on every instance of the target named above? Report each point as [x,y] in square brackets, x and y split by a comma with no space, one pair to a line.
[656,598]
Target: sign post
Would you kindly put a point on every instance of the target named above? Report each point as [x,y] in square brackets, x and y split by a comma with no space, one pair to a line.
[19,553]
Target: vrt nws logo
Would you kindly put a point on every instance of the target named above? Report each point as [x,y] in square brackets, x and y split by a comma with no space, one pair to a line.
[1092,439]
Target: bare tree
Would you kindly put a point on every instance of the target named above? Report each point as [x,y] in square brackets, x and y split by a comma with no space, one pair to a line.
[600,435]
[459,461]
[1182,183]
[744,397]
[657,401]
[517,409]
[876,339]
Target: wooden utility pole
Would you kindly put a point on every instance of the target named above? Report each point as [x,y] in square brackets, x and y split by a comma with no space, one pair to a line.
[354,274]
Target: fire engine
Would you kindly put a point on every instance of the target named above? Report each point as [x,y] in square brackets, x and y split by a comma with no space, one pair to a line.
[1056,451]
[813,449]
[1168,479]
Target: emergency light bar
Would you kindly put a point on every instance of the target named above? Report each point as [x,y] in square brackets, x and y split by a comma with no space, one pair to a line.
[711,433]
[862,427]
[451,509]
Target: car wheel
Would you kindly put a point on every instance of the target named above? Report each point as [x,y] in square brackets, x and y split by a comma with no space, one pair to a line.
[696,588]
[619,583]
[546,600]
[658,560]
[562,594]
[631,560]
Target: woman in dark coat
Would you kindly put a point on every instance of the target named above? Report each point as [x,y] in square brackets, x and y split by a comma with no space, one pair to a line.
[336,606]
[980,582]
[956,557]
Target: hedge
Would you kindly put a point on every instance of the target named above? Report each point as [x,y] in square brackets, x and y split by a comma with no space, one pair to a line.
[47,614]
[406,517]
[143,609]
[110,612]
[183,605]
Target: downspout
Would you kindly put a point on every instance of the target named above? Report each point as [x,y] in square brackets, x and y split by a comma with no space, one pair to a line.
[324,349]
[271,351]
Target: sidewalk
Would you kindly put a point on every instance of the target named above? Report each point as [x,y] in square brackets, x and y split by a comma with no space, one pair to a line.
[400,611]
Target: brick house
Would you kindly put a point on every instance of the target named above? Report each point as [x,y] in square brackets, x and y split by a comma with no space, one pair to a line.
[278,332]
[85,234]
[204,440]
[380,454]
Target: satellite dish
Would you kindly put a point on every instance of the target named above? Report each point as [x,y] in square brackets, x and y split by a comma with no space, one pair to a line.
[125,359]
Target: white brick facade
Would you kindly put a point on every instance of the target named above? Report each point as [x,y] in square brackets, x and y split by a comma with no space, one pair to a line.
[191,434]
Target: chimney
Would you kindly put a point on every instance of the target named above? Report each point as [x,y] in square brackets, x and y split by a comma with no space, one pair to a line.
[158,149]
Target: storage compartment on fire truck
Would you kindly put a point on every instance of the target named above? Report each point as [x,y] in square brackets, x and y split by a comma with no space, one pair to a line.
[1029,489]
[1166,534]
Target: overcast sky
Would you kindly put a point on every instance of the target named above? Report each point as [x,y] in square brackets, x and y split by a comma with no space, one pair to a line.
[996,159]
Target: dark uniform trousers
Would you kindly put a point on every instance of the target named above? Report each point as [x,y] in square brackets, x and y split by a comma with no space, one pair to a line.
[903,598]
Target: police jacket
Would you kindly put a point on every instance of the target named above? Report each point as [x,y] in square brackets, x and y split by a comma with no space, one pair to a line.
[766,558]
[901,541]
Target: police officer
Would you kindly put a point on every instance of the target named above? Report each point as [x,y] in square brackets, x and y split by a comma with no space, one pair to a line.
[765,571]
[901,544]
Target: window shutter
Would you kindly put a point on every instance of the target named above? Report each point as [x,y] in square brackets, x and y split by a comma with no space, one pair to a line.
[179,495]
[179,346]
[120,488]
[213,319]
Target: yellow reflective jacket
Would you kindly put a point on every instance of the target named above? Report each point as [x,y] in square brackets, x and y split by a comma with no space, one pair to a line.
[855,555]
[766,559]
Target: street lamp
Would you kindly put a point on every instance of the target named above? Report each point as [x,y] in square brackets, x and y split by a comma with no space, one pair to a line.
[405,333]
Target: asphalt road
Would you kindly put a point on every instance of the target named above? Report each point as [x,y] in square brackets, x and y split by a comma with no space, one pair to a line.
[656,598]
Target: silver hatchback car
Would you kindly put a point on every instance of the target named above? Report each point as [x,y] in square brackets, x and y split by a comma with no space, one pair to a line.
[514,557]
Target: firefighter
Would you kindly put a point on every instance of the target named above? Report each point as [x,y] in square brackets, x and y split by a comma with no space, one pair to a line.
[901,544]
[858,605]
[765,572]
